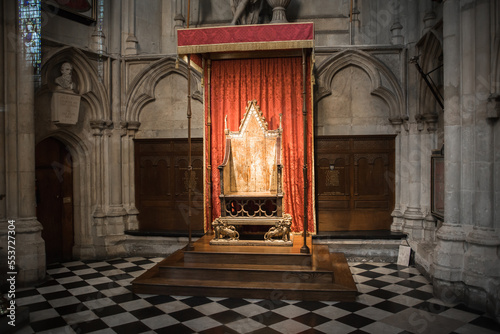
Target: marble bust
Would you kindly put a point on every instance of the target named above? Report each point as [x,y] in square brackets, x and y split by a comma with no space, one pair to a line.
[65,81]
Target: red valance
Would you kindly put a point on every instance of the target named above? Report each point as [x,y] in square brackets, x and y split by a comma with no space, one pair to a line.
[246,38]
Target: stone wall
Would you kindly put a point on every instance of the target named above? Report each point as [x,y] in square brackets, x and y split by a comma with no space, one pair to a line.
[132,86]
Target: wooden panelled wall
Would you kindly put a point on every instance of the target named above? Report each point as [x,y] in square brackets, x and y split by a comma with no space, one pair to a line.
[354,182]
[161,181]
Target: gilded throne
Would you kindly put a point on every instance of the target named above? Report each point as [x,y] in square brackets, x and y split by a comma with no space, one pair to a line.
[251,180]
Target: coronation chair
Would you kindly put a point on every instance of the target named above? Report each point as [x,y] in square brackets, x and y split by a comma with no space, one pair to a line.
[251,180]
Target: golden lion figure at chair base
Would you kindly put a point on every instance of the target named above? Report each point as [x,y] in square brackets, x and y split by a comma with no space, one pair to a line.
[281,230]
[222,230]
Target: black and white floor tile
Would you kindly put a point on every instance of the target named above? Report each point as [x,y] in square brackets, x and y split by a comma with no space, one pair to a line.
[96,297]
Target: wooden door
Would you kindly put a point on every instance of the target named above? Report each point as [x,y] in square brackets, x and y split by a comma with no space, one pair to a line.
[161,183]
[354,182]
[54,196]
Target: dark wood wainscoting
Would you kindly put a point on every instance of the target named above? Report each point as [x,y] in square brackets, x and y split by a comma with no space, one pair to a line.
[161,184]
[354,182]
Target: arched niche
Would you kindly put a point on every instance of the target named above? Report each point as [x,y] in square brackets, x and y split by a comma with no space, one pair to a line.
[86,80]
[430,49]
[357,94]
[82,199]
[158,101]
[78,138]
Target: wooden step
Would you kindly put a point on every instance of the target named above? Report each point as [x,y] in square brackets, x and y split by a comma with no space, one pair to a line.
[248,258]
[250,273]
[342,289]
[265,255]
[275,290]
[244,272]
[178,267]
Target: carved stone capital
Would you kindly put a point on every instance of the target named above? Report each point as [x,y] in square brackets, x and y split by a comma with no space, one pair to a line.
[397,38]
[431,119]
[429,20]
[355,14]
[493,108]
[133,125]
[123,129]
[420,122]
[397,122]
[97,126]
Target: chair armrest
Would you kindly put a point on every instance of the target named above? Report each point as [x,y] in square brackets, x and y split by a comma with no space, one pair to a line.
[226,154]
[278,152]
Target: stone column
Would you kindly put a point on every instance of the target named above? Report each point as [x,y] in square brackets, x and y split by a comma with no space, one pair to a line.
[172,19]
[397,37]
[356,37]
[179,18]
[429,17]
[116,211]
[129,175]
[397,215]
[481,262]
[413,216]
[131,40]
[429,144]
[448,254]
[19,154]
[97,179]
[112,140]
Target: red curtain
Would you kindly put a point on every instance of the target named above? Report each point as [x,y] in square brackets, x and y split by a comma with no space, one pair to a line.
[276,84]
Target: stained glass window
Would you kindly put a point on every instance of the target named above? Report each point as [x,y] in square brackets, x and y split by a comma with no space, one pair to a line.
[100,19]
[30,24]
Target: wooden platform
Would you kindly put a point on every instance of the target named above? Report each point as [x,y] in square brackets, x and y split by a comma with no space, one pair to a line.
[262,272]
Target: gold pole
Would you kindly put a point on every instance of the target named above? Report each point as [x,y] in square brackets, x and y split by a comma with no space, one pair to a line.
[209,139]
[304,248]
[190,167]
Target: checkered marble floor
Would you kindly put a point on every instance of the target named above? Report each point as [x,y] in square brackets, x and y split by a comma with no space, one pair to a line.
[96,297]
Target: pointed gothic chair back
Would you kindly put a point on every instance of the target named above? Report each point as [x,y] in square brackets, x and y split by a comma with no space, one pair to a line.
[252,161]
[251,173]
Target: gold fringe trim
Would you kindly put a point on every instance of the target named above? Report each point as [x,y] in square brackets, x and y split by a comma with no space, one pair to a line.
[252,46]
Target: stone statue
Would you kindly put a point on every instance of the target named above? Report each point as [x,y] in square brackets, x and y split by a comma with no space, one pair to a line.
[65,81]
[246,11]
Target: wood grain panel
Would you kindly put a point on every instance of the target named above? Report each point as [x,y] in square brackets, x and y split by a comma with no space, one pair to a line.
[162,181]
[354,182]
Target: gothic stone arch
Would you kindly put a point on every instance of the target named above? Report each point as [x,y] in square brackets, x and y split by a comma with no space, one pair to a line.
[79,139]
[377,72]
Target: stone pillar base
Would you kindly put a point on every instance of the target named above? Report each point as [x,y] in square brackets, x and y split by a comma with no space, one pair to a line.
[481,262]
[29,249]
[449,253]
[397,221]
[448,292]
[413,223]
